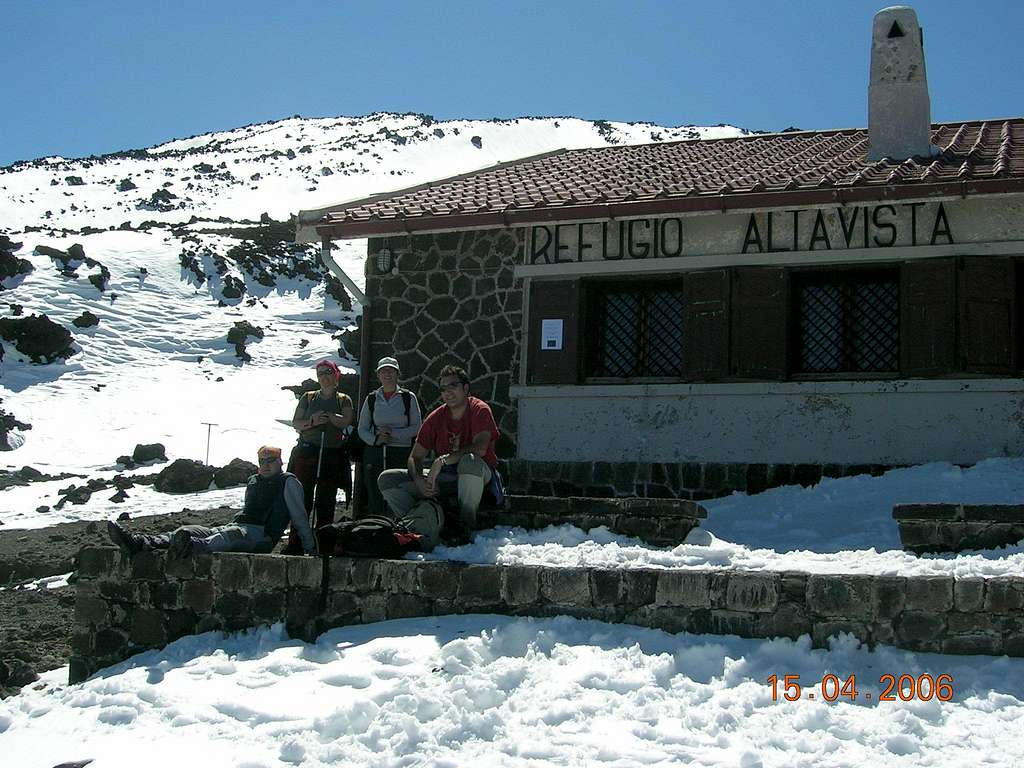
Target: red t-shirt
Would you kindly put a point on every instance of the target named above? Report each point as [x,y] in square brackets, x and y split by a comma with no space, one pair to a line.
[442,434]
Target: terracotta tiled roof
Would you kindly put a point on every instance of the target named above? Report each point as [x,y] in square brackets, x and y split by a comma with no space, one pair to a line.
[747,172]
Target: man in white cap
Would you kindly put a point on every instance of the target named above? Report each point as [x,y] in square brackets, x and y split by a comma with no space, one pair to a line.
[388,423]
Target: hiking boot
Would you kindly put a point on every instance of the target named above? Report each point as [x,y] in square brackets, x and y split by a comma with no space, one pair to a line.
[129,543]
[180,546]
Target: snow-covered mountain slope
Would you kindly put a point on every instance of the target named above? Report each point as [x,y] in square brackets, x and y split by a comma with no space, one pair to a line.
[281,167]
[172,240]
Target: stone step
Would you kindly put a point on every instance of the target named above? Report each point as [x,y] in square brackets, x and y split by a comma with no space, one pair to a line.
[956,527]
[660,522]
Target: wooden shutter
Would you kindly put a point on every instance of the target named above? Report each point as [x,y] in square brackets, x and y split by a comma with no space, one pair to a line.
[554,300]
[987,314]
[928,317]
[706,325]
[759,331]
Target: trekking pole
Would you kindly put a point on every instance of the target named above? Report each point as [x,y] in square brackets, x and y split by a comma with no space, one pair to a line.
[316,482]
[209,426]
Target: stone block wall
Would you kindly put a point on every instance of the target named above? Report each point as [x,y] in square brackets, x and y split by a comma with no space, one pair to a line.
[660,522]
[686,480]
[454,300]
[127,605]
[955,527]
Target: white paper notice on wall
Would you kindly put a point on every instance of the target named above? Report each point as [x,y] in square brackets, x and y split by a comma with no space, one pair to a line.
[550,334]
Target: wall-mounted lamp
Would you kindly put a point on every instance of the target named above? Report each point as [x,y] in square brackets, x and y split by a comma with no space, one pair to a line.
[387,262]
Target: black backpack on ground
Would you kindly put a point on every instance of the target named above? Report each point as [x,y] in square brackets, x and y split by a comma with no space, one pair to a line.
[373,536]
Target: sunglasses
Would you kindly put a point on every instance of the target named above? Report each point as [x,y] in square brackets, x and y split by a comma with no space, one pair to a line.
[452,386]
[269,460]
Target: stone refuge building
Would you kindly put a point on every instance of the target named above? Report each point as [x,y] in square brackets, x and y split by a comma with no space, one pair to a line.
[682,319]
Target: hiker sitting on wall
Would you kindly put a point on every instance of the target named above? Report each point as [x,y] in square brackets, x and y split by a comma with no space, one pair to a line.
[388,423]
[272,498]
[461,433]
[319,459]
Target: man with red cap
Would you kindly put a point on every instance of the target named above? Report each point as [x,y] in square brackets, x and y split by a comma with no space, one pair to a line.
[272,499]
[321,418]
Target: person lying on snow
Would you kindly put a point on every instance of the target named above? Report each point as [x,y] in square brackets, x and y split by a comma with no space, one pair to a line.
[272,499]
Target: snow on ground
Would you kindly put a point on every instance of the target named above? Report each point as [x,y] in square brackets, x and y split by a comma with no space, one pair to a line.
[46,582]
[488,690]
[841,525]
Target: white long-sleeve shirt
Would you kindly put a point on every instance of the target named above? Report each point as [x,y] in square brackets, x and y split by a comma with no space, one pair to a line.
[295,500]
[390,413]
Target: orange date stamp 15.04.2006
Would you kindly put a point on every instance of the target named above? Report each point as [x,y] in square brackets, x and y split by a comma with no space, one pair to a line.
[923,687]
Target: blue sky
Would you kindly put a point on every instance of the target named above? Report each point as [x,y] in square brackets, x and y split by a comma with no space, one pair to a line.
[80,78]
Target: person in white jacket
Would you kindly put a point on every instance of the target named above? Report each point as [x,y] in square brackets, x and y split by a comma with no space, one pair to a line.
[388,423]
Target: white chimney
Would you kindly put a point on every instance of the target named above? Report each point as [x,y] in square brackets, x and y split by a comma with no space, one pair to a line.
[899,110]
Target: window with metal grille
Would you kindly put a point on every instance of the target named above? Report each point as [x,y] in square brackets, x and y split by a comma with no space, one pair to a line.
[848,322]
[637,330]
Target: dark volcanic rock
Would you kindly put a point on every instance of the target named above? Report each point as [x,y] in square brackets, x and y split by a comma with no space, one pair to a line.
[101,280]
[242,330]
[233,288]
[184,476]
[237,472]
[27,475]
[38,337]
[350,340]
[11,265]
[240,334]
[158,201]
[85,320]
[7,423]
[307,385]
[337,292]
[68,265]
[126,185]
[348,383]
[72,259]
[149,452]
[76,494]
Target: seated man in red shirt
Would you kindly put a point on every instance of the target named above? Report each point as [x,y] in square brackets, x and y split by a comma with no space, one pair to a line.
[461,434]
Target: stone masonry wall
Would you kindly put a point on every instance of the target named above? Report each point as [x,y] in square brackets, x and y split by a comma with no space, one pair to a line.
[660,522]
[127,605]
[687,480]
[454,300]
[956,527]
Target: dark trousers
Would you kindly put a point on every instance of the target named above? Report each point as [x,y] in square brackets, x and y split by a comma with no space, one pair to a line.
[219,538]
[373,465]
[335,473]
